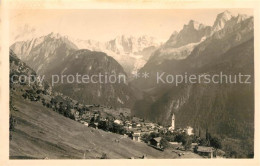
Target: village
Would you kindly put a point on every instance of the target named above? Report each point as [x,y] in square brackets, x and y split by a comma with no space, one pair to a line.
[181,141]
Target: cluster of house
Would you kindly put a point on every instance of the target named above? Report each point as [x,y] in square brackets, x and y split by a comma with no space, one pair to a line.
[138,129]
[146,128]
[141,128]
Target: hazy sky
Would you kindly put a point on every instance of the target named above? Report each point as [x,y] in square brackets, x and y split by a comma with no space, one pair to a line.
[105,24]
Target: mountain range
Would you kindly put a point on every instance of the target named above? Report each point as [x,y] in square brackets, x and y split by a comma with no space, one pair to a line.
[130,52]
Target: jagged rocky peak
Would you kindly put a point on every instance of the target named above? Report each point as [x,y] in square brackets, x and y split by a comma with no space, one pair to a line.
[87,44]
[221,20]
[192,32]
[135,40]
[58,39]
[130,44]
[194,25]
[123,38]
[232,22]
[54,35]
[241,17]
[147,38]
[57,36]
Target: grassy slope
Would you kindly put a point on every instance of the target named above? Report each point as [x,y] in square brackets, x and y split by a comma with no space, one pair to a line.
[41,132]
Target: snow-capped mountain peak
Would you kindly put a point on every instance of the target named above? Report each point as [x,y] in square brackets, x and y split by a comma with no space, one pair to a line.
[130,44]
[130,51]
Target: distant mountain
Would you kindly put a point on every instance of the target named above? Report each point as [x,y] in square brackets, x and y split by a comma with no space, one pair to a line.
[172,59]
[129,44]
[193,32]
[221,20]
[45,52]
[131,52]
[178,47]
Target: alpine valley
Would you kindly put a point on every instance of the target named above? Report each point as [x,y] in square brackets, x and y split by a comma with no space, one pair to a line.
[225,111]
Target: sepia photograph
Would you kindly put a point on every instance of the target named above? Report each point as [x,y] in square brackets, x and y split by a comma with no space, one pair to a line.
[131,83]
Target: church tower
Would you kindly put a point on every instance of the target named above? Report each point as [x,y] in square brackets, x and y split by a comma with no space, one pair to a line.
[173,122]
